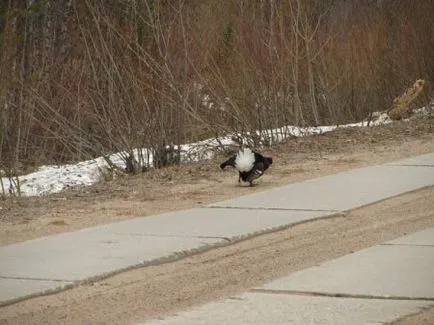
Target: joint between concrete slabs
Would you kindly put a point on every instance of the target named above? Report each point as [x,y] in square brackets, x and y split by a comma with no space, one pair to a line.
[415,245]
[403,165]
[336,295]
[170,236]
[269,209]
[32,279]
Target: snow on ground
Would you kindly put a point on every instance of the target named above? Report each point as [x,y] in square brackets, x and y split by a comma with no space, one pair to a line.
[54,179]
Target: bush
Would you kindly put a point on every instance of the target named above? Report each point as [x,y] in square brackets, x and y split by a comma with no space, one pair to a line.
[79,79]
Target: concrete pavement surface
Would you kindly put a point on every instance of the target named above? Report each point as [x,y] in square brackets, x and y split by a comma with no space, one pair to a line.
[259,309]
[397,269]
[341,191]
[422,161]
[55,262]
[374,286]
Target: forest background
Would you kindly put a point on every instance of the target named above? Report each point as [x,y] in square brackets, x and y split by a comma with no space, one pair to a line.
[84,78]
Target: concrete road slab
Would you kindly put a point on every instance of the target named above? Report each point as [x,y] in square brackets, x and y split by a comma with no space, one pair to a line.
[424,238]
[280,309]
[423,160]
[11,289]
[342,191]
[98,251]
[86,254]
[211,222]
[379,271]
[101,250]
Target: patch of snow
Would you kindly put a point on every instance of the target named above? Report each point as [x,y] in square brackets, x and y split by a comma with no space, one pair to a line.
[54,179]
[426,111]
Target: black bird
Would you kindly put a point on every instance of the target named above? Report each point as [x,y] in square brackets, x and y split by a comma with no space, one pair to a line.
[250,164]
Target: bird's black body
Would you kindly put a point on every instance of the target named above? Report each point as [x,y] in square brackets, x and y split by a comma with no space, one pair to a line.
[250,165]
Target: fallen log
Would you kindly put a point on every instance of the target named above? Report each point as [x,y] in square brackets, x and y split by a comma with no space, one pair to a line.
[402,108]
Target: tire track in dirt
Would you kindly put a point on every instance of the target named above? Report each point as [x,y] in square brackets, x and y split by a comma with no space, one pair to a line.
[165,289]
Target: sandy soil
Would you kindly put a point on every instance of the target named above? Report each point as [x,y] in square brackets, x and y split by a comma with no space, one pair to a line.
[197,184]
[165,289]
[425,317]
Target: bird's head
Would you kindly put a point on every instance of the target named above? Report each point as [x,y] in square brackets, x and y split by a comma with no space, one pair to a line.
[270,160]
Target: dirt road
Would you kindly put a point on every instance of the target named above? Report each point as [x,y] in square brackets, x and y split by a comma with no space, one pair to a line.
[165,289]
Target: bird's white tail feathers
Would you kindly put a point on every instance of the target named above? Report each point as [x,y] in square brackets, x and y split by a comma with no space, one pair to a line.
[245,160]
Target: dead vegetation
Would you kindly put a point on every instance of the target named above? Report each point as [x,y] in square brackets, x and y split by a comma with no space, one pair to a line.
[80,79]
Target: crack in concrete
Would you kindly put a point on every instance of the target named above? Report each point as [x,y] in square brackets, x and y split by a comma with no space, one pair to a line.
[337,295]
